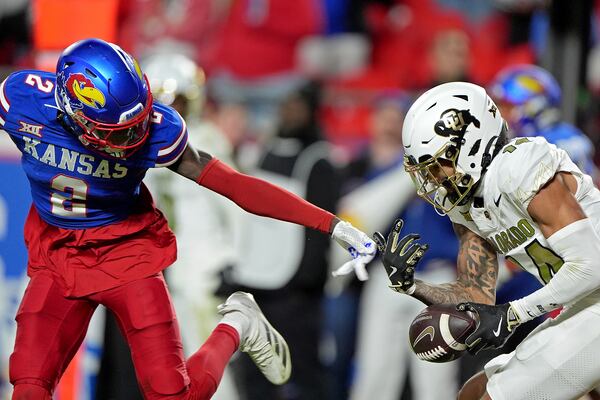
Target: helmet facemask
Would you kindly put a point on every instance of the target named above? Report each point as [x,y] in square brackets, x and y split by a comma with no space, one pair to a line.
[124,138]
[438,179]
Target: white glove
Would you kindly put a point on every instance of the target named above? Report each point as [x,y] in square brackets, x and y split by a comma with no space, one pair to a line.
[359,245]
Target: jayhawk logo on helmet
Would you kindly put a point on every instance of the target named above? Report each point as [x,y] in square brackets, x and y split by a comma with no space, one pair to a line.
[531,84]
[83,89]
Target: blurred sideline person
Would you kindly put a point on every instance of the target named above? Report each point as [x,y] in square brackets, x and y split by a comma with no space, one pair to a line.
[529,98]
[382,371]
[524,199]
[367,180]
[285,266]
[178,82]
[262,73]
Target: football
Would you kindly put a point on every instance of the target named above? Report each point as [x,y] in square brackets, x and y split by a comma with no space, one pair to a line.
[437,333]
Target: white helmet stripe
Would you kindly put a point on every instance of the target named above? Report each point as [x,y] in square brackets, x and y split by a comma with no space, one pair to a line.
[3,100]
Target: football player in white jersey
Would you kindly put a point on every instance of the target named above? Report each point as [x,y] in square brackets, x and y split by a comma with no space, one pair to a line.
[524,199]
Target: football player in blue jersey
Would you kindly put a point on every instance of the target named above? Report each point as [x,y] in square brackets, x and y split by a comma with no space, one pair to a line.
[87,135]
[529,97]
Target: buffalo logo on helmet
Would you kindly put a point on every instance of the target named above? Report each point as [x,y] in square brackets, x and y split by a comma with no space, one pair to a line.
[83,89]
[454,122]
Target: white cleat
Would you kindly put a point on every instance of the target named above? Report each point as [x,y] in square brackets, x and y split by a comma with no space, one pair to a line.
[265,346]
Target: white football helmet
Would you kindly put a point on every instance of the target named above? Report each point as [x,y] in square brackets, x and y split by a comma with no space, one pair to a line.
[172,75]
[450,135]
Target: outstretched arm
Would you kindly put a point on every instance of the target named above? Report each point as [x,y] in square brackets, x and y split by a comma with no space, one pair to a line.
[263,198]
[477,271]
[252,194]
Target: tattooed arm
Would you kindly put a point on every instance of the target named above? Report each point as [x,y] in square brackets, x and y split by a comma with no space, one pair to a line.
[477,270]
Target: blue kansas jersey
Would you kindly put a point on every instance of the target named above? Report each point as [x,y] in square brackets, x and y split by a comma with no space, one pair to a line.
[577,145]
[435,230]
[72,186]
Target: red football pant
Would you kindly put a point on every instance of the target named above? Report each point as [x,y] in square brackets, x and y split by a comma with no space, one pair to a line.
[50,329]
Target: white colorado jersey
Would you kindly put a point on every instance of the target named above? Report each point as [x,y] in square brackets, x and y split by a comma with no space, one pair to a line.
[515,175]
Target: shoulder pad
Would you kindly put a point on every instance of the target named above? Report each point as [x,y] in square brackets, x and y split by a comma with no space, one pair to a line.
[522,167]
[168,135]
[18,89]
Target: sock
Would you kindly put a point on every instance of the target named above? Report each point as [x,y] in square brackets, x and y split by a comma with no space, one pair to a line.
[237,320]
[25,391]
[206,366]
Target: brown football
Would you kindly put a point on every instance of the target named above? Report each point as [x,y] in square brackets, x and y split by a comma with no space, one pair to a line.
[438,333]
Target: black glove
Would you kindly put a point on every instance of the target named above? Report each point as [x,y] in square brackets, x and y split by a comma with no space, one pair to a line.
[400,256]
[495,324]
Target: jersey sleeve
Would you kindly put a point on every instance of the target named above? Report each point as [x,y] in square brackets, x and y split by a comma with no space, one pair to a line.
[169,136]
[4,99]
[21,95]
[526,165]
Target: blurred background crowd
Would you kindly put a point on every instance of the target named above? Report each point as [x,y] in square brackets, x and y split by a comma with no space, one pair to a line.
[311,95]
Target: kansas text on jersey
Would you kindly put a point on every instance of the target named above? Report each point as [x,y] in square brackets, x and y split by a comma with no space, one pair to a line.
[72,186]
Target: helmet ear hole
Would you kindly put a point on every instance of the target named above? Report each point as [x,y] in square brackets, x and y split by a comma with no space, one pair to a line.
[465,180]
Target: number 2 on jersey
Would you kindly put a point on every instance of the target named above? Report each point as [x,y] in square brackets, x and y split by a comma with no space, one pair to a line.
[36,81]
[72,205]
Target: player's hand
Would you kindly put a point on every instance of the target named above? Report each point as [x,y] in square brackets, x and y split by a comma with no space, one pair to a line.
[359,245]
[400,257]
[495,324]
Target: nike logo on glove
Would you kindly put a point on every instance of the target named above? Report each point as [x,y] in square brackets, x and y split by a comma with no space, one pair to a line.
[394,270]
[497,331]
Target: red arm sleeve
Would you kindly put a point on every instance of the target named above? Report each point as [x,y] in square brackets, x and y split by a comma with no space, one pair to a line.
[263,198]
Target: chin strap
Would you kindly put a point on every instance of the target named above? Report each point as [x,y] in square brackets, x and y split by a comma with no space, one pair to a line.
[498,141]
[487,158]
[64,120]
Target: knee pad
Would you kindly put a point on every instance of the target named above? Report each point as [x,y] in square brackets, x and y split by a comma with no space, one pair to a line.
[152,305]
[28,391]
[33,309]
[36,295]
